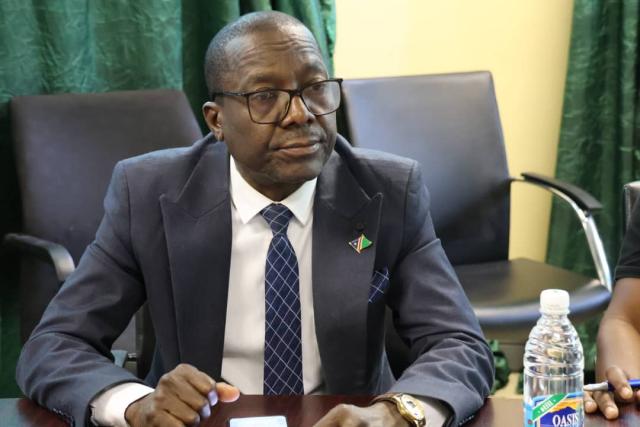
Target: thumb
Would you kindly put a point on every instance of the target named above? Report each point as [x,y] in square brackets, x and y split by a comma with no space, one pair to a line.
[227,393]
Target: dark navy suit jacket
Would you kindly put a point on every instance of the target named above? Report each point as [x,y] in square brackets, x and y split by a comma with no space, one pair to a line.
[166,239]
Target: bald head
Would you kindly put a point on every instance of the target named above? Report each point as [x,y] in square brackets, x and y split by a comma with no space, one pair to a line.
[217,64]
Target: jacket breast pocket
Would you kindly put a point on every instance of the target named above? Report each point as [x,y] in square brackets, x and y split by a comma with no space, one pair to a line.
[379,284]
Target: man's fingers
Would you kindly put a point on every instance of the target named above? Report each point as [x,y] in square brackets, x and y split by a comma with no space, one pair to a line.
[619,379]
[206,386]
[227,393]
[183,396]
[590,405]
[193,389]
[336,416]
[184,413]
[177,389]
[169,420]
[606,404]
[183,401]
[166,419]
[202,382]
[154,410]
[186,384]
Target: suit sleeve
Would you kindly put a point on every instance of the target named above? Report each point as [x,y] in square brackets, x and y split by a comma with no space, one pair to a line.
[67,361]
[433,315]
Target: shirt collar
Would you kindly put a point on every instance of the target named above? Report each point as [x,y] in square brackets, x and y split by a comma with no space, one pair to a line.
[249,202]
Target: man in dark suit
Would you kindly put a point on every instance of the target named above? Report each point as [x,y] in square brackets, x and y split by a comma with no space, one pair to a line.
[267,253]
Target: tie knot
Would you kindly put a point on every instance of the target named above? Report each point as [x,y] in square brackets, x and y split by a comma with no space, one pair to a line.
[277,216]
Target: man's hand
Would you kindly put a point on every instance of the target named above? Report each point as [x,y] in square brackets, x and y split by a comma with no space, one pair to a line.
[381,414]
[606,401]
[182,398]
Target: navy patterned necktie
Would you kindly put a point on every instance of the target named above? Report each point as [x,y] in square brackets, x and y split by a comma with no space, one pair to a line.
[282,342]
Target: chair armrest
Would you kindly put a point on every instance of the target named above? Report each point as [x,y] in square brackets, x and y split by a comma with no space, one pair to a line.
[579,196]
[53,253]
[58,256]
[583,205]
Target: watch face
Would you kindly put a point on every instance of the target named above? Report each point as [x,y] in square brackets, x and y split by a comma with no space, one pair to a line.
[412,406]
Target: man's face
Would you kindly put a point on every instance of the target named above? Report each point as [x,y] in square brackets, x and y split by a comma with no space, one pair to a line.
[274,158]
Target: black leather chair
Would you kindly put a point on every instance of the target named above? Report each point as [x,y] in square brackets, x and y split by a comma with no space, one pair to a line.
[450,124]
[66,146]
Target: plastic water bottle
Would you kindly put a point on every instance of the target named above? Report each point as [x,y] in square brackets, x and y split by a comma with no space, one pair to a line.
[553,367]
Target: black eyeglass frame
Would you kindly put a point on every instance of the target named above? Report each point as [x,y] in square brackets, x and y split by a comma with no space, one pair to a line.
[291,92]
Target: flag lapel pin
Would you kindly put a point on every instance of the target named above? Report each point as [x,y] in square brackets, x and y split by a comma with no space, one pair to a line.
[360,243]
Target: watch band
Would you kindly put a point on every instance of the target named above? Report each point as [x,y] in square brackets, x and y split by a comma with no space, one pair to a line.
[409,408]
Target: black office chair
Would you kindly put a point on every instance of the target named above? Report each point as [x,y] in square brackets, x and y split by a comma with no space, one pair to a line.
[450,124]
[66,146]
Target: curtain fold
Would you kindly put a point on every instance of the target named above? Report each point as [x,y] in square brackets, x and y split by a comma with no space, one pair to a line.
[598,148]
[106,45]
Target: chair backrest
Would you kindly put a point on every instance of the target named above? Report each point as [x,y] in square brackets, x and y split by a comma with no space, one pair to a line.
[66,146]
[449,123]
[631,194]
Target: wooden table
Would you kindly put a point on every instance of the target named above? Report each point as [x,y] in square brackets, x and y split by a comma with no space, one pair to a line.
[303,412]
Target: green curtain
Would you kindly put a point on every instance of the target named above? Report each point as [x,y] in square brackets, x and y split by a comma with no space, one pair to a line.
[501,364]
[599,148]
[106,45]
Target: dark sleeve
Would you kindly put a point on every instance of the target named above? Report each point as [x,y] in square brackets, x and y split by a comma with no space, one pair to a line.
[629,262]
[66,362]
[432,313]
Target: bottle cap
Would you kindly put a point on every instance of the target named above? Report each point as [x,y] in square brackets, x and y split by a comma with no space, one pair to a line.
[554,301]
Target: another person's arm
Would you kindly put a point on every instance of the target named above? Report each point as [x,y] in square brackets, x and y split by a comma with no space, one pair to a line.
[619,334]
[618,348]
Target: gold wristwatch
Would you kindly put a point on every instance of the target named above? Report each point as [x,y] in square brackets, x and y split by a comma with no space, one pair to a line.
[409,407]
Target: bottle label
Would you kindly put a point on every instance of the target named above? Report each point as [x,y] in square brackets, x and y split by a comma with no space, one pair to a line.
[555,410]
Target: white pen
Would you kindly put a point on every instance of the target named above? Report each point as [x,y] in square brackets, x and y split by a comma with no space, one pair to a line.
[606,386]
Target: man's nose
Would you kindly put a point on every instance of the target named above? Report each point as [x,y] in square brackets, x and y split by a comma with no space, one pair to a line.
[298,112]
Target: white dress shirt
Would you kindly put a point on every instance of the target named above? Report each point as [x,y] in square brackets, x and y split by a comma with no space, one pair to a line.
[243,353]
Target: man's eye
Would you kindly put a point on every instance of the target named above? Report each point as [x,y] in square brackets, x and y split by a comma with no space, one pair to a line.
[318,87]
[266,96]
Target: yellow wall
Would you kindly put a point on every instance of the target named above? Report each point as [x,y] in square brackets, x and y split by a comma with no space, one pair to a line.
[524,43]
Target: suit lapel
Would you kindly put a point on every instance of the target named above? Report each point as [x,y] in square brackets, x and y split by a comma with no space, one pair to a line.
[198,231]
[341,276]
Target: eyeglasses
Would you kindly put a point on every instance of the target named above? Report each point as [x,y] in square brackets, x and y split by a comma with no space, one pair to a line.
[270,106]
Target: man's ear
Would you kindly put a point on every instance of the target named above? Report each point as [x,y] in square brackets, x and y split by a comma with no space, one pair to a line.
[213,117]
